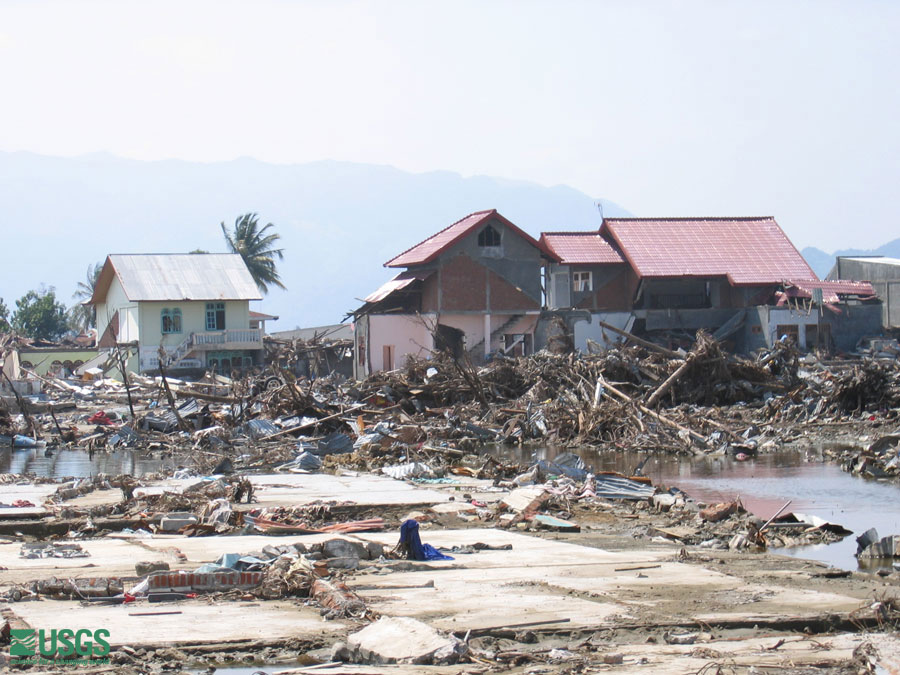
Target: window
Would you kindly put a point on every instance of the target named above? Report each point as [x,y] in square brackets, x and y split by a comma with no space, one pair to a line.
[581,281]
[488,237]
[215,316]
[171,321]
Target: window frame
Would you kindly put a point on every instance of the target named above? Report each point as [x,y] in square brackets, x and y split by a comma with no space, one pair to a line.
[488,236]
[170,321]
[578,281]
[214,312]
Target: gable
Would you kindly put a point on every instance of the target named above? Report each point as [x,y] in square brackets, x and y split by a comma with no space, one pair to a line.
[441,242]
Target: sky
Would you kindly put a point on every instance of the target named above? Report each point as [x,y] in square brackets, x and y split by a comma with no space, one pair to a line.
[667,108]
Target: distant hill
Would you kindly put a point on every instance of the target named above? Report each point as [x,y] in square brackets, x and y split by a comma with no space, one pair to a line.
[822,262]
[339,221]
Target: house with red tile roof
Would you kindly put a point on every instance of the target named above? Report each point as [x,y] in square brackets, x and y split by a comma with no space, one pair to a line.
[474,287]
[671,274]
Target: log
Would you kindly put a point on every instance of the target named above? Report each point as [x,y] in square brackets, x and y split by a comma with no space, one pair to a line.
[672,379]
[644,409]
[640,341]
[190,393]
[311,424]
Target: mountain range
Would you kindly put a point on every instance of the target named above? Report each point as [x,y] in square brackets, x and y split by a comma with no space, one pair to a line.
[822,262]
[338,221]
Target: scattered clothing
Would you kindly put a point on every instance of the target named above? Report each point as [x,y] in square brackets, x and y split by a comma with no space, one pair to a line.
[411,544]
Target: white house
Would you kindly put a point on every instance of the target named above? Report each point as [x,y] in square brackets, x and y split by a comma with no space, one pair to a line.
[196,306]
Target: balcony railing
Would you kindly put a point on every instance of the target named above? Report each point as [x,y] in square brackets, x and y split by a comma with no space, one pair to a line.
[239,338]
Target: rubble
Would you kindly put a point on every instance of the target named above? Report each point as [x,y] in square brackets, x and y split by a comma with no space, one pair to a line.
[400,640]
[433,427]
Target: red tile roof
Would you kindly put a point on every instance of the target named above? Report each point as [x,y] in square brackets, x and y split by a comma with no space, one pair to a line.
[436,244]
[748,251]
[585,248]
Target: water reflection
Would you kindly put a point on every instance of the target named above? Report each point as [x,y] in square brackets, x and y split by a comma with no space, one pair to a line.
[78,463]
[764,484]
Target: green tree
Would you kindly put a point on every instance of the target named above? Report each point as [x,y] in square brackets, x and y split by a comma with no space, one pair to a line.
[39,315]
[4,317]
[256,247]
[81,316]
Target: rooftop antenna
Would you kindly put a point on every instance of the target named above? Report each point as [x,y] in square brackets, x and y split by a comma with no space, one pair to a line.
[599,206]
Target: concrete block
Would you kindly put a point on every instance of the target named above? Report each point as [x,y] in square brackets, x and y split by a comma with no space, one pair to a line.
[142,568]
[172,522]
[525,499]
[402,640]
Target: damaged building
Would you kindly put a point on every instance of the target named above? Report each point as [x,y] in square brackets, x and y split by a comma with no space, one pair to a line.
[474,287]
[193,307]
[484,286]
[739,278]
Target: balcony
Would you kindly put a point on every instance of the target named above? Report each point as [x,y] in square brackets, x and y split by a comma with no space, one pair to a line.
[241,338]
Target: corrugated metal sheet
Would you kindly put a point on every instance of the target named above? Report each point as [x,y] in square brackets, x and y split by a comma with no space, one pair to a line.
[399,282]
[199,276]
[584,248]
[748,251]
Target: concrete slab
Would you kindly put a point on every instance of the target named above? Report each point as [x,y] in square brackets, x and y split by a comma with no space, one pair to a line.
[108,557]
[196,622]
[36,494]
[761,652]
[359,488]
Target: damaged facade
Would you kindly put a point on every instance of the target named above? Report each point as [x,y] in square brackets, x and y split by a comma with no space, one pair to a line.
[739,278]
[196,307]
[883,273]
[474,287]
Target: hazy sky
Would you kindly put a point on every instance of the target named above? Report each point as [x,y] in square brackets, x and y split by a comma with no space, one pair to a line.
[776,108]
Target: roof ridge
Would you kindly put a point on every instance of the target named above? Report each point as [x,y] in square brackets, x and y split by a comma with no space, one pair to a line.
[573,232]
[693,218]
[457,222]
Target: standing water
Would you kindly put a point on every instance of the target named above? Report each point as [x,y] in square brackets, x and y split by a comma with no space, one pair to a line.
[765,483]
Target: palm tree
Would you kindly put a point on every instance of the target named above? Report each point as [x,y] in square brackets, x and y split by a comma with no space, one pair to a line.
[84,316]
[252,243]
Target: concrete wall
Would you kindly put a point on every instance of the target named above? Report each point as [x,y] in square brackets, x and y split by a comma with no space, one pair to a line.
[847,328]
[42,360]
[407,334]
[193,320]
[885,280]
[609,288]
[517,261]
[117,301]
[410,335]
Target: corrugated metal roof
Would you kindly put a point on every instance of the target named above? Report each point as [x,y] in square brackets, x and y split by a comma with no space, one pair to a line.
[748,251]
[573,248]
[400,281]
[188,276]
[431,248]
[878,260]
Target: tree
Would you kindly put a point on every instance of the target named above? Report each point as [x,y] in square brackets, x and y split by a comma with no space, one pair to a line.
[4,317]
[81,316]
[252,243]
[39,315]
